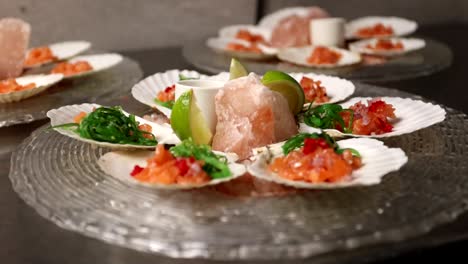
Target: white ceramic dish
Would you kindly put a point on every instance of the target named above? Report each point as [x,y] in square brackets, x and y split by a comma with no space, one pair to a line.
[411,115]
[377,161]
[409,45]
[65,50]
[299,56]
[42,81]
[400,26]
[63,115]
[120,164]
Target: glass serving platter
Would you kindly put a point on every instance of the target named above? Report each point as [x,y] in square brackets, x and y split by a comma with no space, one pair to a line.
[60,178]
[435,57]
[99,87]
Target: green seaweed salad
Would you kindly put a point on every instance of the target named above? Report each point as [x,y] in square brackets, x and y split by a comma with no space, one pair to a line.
[297,141]
[110,124]
[215,165]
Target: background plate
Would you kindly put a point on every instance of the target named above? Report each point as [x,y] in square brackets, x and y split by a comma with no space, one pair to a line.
[99,87]
[60,178]
[434,57]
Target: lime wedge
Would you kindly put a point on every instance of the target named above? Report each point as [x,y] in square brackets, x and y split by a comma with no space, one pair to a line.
[180,116]
[201,133]
[188,121]
[237,70]
[287,86]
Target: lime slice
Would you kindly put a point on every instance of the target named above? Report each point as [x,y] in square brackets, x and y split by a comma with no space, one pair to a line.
[188,121]
[237,70]
[287,86]
[201,133]
[180,116]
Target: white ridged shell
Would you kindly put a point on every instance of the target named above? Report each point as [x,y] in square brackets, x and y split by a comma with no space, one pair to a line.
[99,62]
[119,164]
[377,161]
[147,89]
[42,81]
[63,115]
[412,115]
[219,45]
[409,45]
[65,50]
[338,89]
[299,56]
[401,26]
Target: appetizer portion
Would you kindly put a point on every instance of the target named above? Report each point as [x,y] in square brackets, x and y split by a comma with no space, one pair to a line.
[316,161]
[39,56]
[14,90]
[87,64]
[387,47]
[323,55]
[10,85]
[386,44]
[109,127]
[377,30]
[315,158]
[376,26]
[158,90]
[183,166]
[372,117]
[68,68]
[360,119]
[241,48]
[320,89]
[319,57]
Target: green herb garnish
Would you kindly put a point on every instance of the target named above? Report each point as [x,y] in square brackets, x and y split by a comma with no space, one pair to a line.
[168,104]
[215,165]
[184,78]
[110,124]
[327,116]
[297,141]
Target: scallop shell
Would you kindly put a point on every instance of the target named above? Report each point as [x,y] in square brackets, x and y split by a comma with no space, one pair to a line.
[377,161]
[147,89]
[65,50]
[219,45]
[42,81]
[63,115]
[409,45]
[338,89]
[99,62]
[299,56]
[231,31]
[412,115]
[271,20]
[401,26]
[120,164]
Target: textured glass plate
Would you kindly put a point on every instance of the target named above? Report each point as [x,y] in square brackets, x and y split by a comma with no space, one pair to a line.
[434,57]
[60,178]
[99,87]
